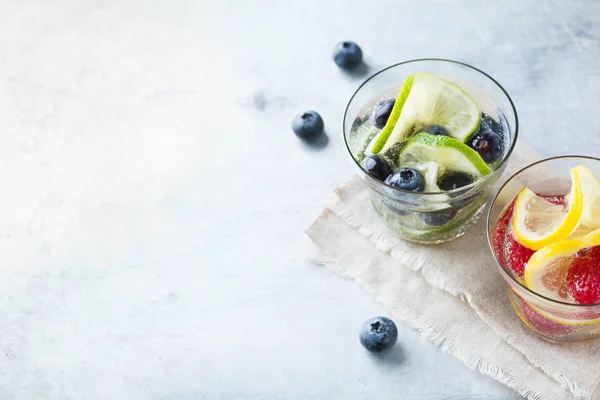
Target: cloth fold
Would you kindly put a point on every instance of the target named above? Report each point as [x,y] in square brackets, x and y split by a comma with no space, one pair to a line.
[453,294]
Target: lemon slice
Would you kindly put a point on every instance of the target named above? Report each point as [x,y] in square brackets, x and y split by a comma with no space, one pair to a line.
[537,321]
[546,270]
[426,100]
[538,222]
[590,187]
[569,319]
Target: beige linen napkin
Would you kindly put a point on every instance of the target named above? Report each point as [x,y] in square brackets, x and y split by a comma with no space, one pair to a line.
[453,294]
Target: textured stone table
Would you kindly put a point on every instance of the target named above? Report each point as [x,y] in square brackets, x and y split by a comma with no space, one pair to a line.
[154,198]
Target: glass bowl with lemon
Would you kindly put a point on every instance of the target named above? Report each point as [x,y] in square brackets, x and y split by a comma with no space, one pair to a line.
[544,231]
[429,137]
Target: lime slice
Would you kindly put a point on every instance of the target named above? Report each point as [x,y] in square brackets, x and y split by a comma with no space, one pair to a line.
[430,171]
[359,140]
[426,100]
[394,116]
[447,152]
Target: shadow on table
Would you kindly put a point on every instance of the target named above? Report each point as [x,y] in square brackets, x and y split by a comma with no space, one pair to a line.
[359,72]
[318,144]
[393,357]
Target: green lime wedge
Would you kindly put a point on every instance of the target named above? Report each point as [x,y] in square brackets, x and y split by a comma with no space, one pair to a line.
[447,152]
[394,116]
[426,100]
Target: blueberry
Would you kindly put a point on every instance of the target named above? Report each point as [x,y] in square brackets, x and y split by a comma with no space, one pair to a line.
[487,123]
[454,180]
[378,334]
[394,207]
[436,130]
[377,168]
[407,179]
[357,123]
[483,126]
[308,125]
[489,146]
[382,112]
[463,202]
[347,55]
[437,218]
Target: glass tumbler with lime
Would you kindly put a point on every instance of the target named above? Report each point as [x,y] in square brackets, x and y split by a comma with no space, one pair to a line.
[430,137]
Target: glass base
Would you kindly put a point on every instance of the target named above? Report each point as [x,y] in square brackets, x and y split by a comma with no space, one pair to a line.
[547,326]
[430,228]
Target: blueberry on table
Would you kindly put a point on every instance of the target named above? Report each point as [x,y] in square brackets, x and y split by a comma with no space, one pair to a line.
[437,218]
[436,130]
[489,146]
[454,180]
[407,179]
[308,125]
[377,168]
[347,55]
[382,112]
[378,334]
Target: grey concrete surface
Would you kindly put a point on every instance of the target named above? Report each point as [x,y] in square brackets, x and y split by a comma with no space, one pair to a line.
[153,197]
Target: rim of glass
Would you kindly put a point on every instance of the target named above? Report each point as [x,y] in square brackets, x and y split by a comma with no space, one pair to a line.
[514,136]
[488,222]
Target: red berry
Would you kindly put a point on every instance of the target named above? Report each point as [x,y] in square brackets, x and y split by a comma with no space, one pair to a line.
[515,254]
[498,242]
[594,253]
[541,323]
[583,280]
[500,233]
